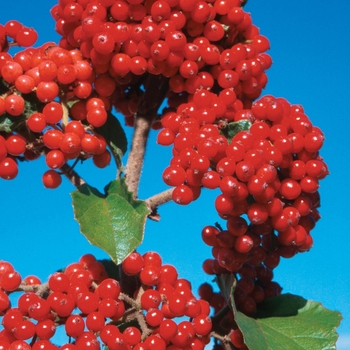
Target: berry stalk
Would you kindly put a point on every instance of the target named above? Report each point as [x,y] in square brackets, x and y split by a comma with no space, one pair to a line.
[158,199]
[72,176]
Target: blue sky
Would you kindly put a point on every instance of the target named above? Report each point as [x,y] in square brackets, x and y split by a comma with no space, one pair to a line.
[310,49]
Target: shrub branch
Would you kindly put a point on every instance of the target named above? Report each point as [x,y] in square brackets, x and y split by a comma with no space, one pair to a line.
[156,88]
[134,166]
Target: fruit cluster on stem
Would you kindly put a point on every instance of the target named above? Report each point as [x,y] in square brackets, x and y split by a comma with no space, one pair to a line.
[149,307]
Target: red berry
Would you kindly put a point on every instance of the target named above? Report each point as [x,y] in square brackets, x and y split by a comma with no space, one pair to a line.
[150,275]
[102,160]
[202,324]
[290,189]
[26,37]
[182,194]
[70,143]
[36,122]
[47,91]
[10,280]
[10,71]
[74,326]
[51,179]
[14,105]
[174,175]
[132,335]
[40,310]
[87,302]
[108,288]
[45,329]
[59,282]
[8,169]
[150,299]
[244,244]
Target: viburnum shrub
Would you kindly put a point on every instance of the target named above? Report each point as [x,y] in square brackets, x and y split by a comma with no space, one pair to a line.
[195,71]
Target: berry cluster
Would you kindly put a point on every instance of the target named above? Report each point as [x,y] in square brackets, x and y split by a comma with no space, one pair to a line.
[32,82]
[265,162]
[116,52]
[189,42]
[137,312]
[268,177]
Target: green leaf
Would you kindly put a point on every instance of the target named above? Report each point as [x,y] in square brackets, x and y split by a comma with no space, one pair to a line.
[289,322]
[234,128]
[114,221]
[116,139]
[227,285]
[114,134]
[6,122]
[71,103]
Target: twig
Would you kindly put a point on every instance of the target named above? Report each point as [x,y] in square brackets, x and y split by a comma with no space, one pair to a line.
[224,340]
[136,312]
[160,198]
[72,176]
[39,289]
[143,325]
[129,300]
[139,294]
[133,314]
[155,201]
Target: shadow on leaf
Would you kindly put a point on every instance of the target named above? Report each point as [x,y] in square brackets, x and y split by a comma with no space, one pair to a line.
[87,190]
[281,306]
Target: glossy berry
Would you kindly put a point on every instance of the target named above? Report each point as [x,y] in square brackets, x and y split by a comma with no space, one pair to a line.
[51,179]
[182,195]
[36,122]
[8,169]
[10,281]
